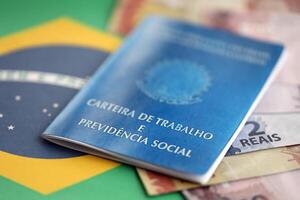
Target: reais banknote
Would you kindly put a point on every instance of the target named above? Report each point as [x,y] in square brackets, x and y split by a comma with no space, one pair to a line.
[275,122]
[129,13]
[232,168]
[273,187]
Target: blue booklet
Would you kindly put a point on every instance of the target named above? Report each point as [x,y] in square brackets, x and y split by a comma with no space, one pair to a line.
[172,99]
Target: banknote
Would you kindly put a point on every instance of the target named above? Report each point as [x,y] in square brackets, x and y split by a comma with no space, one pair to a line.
[128,13]
[275,122]
[232,168]
[274,187]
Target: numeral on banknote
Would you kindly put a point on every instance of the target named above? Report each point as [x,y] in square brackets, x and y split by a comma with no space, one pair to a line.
[255,128]
[257,136]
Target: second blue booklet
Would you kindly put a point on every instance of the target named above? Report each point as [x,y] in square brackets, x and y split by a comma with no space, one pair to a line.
[172,99]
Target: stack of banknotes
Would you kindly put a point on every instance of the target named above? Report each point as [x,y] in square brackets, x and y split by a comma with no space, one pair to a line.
[264,161]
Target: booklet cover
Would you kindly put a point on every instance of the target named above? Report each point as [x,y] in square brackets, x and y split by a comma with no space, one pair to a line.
[172,99]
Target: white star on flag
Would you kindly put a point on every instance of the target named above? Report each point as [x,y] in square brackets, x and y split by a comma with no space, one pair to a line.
[55,105]
[18,98]
[10,127]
